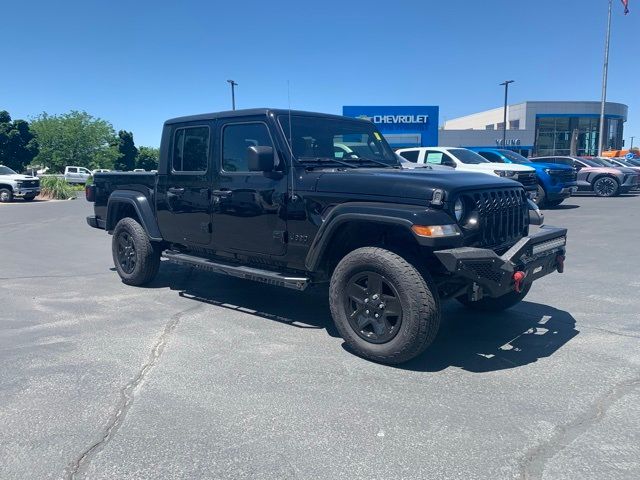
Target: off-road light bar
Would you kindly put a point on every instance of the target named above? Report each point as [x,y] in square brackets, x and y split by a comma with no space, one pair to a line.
[548,245]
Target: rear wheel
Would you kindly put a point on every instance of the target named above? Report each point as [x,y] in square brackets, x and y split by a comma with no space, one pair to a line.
[6,195]
[498,304]
[383,307]
[606,187]
[135,257]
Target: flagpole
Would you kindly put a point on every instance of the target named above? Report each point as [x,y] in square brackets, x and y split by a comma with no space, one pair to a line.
[604,83]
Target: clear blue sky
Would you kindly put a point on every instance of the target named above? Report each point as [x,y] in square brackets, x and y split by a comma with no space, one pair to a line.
[137,63]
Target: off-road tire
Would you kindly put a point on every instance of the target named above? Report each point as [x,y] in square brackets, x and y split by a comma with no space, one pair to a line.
[146,253]
[28,198]
[498,304]
[606,192]
[6,195]
[541,198]
[416,294]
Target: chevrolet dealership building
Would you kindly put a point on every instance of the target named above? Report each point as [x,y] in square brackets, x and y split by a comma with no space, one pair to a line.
[533,128]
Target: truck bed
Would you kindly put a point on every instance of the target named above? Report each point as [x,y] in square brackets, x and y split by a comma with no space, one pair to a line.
[105,183]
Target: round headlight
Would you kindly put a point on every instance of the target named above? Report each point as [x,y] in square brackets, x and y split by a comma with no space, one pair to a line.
[458,209]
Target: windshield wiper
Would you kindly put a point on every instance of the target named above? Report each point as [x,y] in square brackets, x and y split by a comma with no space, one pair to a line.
[361,159]
[322,160]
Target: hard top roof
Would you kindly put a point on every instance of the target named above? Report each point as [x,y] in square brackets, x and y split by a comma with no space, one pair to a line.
[253,112]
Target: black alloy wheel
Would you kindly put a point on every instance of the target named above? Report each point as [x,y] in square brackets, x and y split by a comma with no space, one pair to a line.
[126,252]
[606,187]
[373,307]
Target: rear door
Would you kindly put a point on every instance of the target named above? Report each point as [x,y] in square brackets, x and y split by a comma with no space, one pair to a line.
[248,208]
[183,203]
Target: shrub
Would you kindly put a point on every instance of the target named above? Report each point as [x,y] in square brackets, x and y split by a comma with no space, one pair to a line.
[55,188]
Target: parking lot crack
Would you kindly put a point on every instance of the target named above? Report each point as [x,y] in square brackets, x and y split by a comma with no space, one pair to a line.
[78,466]
[535,460]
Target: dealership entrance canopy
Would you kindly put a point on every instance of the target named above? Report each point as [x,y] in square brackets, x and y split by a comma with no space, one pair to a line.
[533,128]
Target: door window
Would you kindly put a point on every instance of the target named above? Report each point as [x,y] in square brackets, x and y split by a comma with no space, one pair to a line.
[439,158]
[191,150]
[72,170]
[411,155]
[237,138]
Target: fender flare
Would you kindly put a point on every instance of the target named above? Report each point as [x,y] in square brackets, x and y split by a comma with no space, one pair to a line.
[142,207]
[404,216]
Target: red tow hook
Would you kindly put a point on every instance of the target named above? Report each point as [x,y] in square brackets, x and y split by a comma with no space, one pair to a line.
[518,277]
[560,263]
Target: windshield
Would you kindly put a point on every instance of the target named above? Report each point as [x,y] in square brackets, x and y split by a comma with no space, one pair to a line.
[467,156]
[634,162]
[514,157]
[6,170]
[590,162]
[324,138]
[603,163]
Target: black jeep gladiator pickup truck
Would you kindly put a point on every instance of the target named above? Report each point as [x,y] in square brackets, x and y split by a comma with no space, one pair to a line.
[270,195]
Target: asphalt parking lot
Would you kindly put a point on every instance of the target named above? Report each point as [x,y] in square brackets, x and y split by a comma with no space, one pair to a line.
[200,376]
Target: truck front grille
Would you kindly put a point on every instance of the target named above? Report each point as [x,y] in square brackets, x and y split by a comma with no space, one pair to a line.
[503,217]
[30,183]
[563,176]
[527,179]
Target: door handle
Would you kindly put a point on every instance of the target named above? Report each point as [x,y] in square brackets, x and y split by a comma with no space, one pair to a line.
[176,190]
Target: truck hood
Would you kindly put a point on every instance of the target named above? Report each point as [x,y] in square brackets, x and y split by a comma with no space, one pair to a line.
[418,183]
[17,176]
[510,167]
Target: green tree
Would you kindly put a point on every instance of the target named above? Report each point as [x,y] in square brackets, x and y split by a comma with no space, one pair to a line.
[127,150]
[148,158]
[18,146]
[74,138]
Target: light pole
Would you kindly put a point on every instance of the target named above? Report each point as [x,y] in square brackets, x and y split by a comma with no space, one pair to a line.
[631,147]
[504,122]
[605,69]
[233,93]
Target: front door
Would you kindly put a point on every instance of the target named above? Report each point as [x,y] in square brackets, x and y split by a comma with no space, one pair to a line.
[248,208]
[184,212]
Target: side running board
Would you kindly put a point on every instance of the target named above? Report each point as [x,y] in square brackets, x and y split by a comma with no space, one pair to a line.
[239,271]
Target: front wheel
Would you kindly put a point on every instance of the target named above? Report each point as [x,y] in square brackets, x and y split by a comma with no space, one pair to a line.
[606,187]
[497,304]
[383,307]
[136,259]
[28,198]
[6,195]
[541,197]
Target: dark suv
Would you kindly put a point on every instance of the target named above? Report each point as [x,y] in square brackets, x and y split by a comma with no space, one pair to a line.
[296,198]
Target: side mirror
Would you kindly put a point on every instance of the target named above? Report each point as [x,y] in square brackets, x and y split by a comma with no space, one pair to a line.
[260,159]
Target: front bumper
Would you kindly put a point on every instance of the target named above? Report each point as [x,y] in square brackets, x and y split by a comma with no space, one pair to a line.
[564,192]
[630,183]
[489,274]
[26,191]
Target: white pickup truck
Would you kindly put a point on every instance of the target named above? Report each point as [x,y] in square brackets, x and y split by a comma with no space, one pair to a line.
[76,174]
[14,185]
[464,160]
